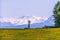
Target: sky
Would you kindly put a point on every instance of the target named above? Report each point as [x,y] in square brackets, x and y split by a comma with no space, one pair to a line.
[18,8]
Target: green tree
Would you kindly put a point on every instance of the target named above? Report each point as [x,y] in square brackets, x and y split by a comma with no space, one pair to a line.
[57,14]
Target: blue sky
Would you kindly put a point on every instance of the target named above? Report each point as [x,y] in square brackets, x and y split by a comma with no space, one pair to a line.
[18,8]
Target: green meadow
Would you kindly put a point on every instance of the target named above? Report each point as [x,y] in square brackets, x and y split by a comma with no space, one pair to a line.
[30,34]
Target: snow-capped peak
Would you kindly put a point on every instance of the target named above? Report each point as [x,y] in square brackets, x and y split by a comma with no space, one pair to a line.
[23,20]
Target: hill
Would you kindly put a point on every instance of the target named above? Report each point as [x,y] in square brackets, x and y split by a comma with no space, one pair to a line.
[30,34]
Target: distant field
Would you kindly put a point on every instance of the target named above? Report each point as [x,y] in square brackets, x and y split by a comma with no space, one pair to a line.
[30,34]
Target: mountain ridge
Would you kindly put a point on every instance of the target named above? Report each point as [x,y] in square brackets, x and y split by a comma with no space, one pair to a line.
[45,22]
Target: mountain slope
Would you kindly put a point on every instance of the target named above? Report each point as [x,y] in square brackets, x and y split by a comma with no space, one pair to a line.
[50,21]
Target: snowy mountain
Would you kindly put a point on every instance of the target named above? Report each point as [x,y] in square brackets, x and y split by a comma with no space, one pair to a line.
[36,22]
[23,20]
[50,21]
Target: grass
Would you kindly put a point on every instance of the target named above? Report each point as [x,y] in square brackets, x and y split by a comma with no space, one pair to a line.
[30,34]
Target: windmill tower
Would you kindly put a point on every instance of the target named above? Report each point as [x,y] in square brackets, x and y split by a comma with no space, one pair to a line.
[28,23]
